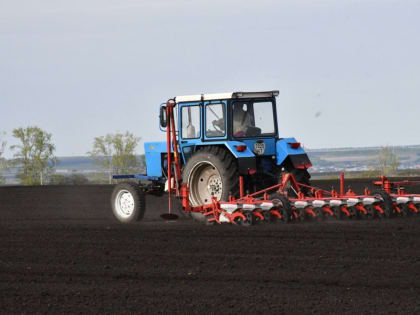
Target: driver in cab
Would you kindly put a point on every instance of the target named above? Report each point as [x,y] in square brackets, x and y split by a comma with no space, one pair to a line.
[241,119]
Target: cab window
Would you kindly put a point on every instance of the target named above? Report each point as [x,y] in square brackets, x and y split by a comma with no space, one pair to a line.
[215,120]
[253,119]
[190,122]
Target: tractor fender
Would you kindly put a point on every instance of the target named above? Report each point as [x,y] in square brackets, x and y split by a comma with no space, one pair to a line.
[290,148]
[231,146]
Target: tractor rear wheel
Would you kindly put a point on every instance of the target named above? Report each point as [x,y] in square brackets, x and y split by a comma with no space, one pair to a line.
[128,202]
[210,172]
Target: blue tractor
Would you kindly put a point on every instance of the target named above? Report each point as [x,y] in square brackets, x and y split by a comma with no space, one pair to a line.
[220,146]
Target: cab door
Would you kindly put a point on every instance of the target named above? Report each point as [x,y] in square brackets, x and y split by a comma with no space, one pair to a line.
[215,119]
[190,131]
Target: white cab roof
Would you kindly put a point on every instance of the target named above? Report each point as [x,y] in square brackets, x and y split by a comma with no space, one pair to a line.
[224,96]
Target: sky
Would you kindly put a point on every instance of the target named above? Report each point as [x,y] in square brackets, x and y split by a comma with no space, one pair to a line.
[348,71]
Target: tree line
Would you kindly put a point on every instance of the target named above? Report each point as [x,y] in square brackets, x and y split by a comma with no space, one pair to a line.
[34,157]
[35,160]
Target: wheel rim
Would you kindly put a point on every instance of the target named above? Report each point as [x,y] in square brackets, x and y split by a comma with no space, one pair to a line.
[203,181]
[124,203]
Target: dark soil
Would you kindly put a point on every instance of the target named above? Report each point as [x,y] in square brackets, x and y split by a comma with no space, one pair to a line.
[61,251]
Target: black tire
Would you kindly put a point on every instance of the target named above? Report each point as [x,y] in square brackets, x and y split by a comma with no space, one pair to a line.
[249,219]
[387,205]
[353,212]
[301,215]
[308,217]
[405,211]
[320,215]
[216,162]
[285,210]
[361,215]
[268,217]
[128,202]
[339,214]
[371,212]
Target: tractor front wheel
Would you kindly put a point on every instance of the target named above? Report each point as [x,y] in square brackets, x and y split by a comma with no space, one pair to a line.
[128,202]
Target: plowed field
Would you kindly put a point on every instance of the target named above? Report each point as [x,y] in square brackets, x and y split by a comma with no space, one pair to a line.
[61,251]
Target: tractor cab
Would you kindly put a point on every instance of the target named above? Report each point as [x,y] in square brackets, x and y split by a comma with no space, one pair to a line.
[245,123]
[244,119]
[228,115]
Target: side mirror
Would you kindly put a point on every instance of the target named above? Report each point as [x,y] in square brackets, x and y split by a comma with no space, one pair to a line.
[162,117]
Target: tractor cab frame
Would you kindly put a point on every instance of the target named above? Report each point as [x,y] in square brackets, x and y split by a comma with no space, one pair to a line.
[244,123]
[245,119]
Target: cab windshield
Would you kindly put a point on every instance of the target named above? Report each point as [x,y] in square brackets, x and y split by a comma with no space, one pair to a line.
[253,119]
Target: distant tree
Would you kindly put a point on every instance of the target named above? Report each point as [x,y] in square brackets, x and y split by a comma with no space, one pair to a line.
[3,161]
[115,153]
[73,179]
[101,178]
[34,155]
[387,163]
